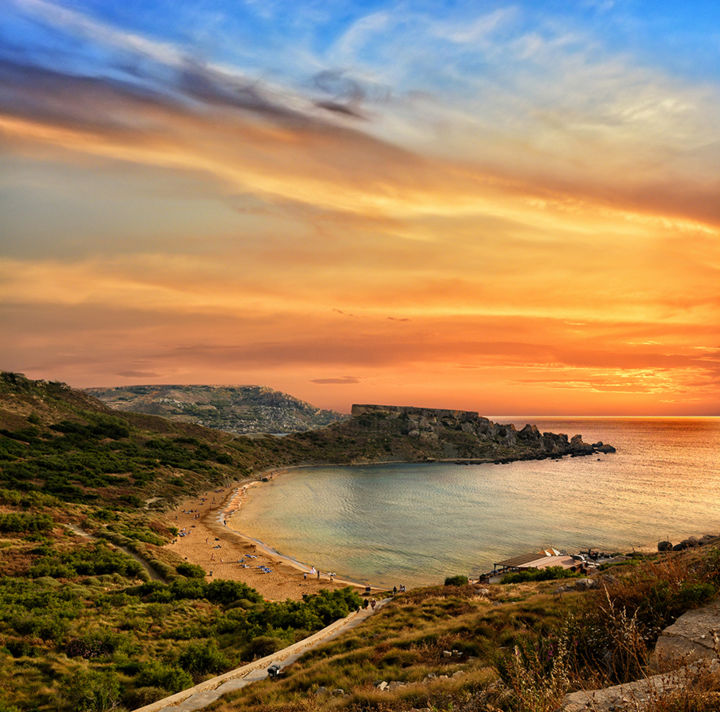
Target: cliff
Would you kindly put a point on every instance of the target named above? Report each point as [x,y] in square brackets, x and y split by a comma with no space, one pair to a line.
[468,435]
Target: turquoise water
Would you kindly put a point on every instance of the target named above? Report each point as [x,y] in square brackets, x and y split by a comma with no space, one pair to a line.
[415,524]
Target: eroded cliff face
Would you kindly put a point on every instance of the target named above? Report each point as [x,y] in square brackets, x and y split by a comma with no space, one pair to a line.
[466,434]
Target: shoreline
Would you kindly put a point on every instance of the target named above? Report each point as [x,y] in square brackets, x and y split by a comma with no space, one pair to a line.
[217,519]
[206,540]
[239,493]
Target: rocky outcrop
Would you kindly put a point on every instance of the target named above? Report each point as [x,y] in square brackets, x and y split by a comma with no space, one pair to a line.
[688,543]
[468,435]
[694,636]
[685,648]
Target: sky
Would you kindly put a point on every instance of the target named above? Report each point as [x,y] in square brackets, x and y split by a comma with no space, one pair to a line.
[505,207]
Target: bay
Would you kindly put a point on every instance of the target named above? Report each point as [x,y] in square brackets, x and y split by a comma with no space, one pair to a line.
[414,524]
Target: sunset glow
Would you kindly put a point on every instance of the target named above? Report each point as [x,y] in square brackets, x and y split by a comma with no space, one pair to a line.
[475,205]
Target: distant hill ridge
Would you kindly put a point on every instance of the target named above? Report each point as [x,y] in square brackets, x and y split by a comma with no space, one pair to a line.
[234,409]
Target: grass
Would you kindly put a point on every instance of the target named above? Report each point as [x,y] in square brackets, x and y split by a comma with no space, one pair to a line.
[520,650]
[82,628]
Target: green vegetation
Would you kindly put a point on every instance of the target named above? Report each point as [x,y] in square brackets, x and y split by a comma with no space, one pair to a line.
[456,581]
[520,649]
[22,522]
[84,631]
[551,573]
[83,626]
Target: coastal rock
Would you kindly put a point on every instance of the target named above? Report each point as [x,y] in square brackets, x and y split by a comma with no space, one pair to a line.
[664,546]
[412,433]
[382,685]
[577,446]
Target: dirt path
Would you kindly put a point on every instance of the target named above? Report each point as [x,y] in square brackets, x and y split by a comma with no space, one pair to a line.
[154,575]
[204,694]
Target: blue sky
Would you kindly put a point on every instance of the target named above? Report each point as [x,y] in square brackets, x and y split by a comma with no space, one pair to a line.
[284,39]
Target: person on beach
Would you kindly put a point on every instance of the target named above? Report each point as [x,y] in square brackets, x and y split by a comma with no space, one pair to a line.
[394,590]
[373,603]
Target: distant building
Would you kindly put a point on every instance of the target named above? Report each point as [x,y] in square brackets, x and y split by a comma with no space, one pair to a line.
[543,559]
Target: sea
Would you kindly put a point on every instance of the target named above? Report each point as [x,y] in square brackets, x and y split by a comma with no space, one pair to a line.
[415,524]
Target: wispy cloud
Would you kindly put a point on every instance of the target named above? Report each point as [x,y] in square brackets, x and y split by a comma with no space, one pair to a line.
[432,201]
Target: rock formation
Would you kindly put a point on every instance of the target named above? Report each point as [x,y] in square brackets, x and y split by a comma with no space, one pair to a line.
[468,435]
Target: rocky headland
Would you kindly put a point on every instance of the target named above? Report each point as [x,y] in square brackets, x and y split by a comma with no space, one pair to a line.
[466,435]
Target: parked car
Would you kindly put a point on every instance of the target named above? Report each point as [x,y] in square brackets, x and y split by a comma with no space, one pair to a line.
[274,671]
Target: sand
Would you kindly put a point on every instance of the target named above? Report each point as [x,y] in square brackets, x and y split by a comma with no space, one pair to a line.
[219,549]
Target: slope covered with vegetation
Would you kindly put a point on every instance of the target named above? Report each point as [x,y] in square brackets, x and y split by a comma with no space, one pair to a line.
[94,612]
[510,648]
[235,409]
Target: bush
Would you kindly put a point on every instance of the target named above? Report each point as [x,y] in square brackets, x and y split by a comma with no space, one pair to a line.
[94,644]
[22,522]
[456,580]
[202,658]
[190,571]
[92,691]
[170,678]
[549,574]
[262,646]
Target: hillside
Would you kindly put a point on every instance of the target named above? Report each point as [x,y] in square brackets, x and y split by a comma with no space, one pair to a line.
[96,613]
[235,409]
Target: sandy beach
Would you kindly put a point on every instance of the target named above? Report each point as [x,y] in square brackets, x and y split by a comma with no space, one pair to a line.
[225,553]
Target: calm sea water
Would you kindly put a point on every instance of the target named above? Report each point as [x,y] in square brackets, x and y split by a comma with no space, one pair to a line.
[415,524]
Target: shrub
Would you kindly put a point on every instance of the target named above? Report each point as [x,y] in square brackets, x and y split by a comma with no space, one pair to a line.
[25,522]
[92,691]
[170,678]
[262,646]
[549,574]
[94,644]
[190,570]
[456,580]
[202,658]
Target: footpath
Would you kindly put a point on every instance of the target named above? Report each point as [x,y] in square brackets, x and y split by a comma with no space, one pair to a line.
[690,644]
[200,696]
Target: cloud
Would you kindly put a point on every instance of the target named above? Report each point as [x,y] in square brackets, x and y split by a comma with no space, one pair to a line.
[344,380]
[138,374]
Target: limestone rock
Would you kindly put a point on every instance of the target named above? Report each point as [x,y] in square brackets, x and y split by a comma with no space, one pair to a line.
[584,584]
[691,637]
